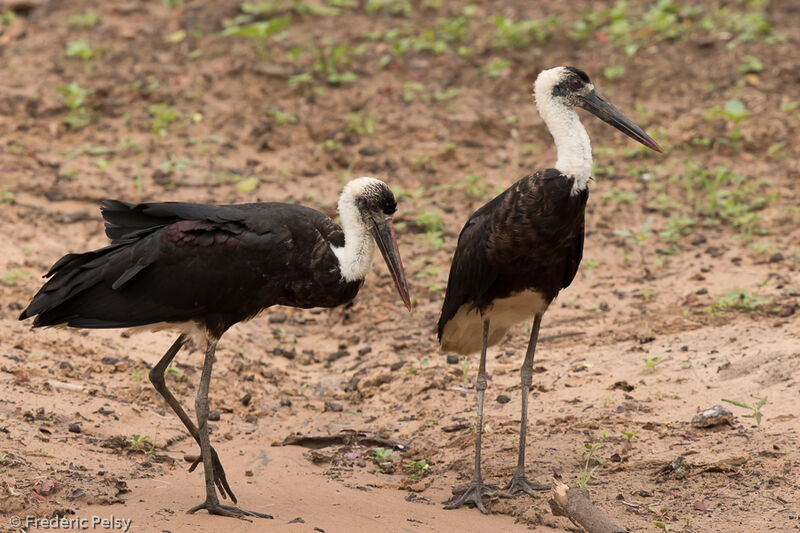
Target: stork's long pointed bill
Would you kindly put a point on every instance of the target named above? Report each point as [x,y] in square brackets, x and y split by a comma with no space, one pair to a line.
[383,230]
[595,104]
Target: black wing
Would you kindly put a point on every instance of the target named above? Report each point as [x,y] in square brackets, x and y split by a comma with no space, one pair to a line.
[173,262]
[529,237]
[471,272]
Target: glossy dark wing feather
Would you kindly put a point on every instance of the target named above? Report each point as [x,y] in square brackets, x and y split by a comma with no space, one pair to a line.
[471,273]
[528,238]
[178,262]
[125,220]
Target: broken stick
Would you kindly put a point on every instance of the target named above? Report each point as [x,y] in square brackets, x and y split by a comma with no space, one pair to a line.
[574,503]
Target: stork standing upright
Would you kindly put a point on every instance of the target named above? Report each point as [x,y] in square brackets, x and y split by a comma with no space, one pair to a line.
[518,251]
[203,268]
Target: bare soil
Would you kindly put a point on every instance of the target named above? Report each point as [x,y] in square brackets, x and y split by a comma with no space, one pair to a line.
[73,401]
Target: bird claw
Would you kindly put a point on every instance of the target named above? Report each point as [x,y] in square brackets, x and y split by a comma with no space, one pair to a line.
[220,479]
[227,510]
[472,495]
[519,483]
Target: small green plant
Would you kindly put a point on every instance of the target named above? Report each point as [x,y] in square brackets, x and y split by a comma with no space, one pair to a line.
[629,434]
[662,525]
[496,68]
[639,237]
[173,371]
[418,468]
[619,196]
[137,441]
[329,145]
[382,456]
[464,368]
[12,277]
[74,96]
[83,20]
[586,473]
[83,50]
[152,447]
[735,111]
[331,60]
[751,65]
[297,6]
[430,221]
[360,123]
[138,375]
[260,32]
[755,408]
[522,33]
[651,361]
[7,197]
[614,72]
[281,118]
[390,7]
[161,116]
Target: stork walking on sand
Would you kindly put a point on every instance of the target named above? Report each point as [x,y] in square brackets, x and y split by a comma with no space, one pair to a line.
[203,268]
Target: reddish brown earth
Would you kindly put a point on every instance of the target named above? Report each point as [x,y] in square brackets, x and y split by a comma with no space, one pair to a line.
[446,146]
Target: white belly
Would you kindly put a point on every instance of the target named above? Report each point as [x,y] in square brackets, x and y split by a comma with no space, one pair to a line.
[463,333]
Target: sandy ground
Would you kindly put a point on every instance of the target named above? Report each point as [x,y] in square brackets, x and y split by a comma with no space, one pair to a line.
[651,332]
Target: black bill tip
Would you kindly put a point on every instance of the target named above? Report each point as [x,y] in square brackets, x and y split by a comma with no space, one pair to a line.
[383,231]
[594,103]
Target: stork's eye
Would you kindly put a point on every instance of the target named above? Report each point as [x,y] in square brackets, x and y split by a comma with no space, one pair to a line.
[576,83]
[373,207]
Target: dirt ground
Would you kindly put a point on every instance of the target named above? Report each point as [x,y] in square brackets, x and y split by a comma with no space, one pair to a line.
[688,292]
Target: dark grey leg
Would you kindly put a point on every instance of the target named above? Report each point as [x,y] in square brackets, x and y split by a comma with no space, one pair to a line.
[474,492]
[157,379]
[518,481]
[211,504]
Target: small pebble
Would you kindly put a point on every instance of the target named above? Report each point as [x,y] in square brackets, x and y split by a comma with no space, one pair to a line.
[213,416]
[333,406]
[246,399]
[452,359]
[365,350]
[74,428]
[502,398]
[277,318]
[286,402]
[713,416]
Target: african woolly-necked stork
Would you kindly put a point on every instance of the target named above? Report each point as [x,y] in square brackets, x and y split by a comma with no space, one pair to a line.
[203,268]
[518,251]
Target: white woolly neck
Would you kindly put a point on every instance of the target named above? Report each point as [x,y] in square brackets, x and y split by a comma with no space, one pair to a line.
[572,141]
[355,257]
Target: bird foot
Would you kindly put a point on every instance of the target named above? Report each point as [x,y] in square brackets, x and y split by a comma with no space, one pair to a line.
[472,494]
[519,483]
[220,480]
[214,507]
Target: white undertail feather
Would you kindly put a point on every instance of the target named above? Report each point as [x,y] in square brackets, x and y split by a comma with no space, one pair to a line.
[464,332]
[571,139]
[355,257]
[195,332]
